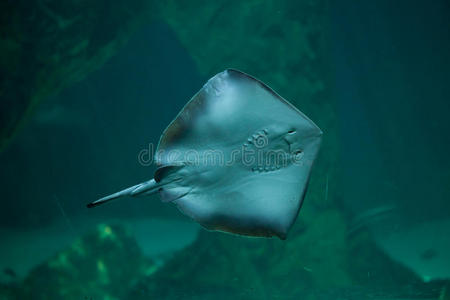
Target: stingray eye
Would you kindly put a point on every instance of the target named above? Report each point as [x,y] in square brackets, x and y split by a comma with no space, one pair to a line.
[292,131]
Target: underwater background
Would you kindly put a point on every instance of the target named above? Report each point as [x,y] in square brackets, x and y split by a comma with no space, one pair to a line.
[85,86]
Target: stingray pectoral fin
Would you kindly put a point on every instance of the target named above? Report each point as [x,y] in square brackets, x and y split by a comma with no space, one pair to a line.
[145,188]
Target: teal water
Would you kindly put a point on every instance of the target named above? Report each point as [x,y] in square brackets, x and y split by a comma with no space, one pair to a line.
[85,88]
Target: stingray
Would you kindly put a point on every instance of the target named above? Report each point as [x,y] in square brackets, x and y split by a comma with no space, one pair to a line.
[236,159]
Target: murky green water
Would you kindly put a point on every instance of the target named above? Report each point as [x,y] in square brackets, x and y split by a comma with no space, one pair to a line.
[87,87]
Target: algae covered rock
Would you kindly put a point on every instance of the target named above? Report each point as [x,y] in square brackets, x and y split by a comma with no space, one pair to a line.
[8,291]
[316,261]
[101,265]
[370,266]
[47,45]
[216,266]
[254,268]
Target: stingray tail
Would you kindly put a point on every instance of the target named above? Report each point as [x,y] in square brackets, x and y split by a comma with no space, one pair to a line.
[142,189]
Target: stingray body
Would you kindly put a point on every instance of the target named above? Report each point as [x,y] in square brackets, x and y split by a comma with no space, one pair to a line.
[237,158]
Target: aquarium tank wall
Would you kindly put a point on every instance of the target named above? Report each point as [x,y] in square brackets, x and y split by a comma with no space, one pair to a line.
[87,89]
